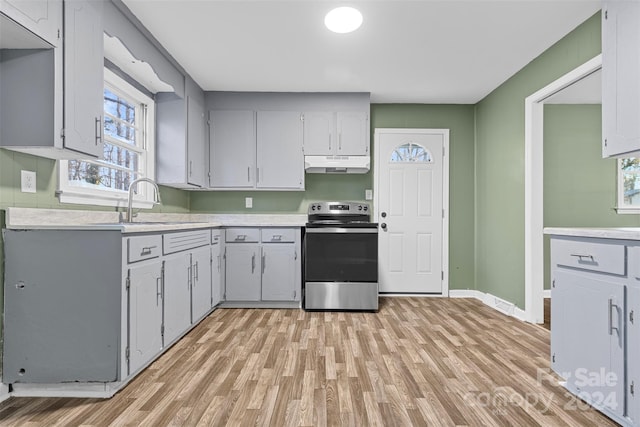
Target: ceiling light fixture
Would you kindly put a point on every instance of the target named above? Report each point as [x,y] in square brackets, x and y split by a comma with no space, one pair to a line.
[343,20]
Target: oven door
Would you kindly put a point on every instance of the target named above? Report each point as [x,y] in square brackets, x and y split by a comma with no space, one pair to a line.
[341,254]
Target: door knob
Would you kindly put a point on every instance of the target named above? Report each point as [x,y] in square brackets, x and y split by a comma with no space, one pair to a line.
[383,214]
[384,226]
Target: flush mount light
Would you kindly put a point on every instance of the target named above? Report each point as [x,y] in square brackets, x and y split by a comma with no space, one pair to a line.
[343,19]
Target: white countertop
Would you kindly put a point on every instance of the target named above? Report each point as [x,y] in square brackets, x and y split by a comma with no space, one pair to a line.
[622,233]
[61,219]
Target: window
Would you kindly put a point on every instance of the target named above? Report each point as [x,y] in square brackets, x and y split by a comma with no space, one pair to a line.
[411,152]
[629,185]
[129,117]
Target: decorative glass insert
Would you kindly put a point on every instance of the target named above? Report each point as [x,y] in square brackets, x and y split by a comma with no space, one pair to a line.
[411,152]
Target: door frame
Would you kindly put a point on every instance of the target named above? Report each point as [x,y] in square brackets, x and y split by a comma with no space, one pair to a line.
[534,185]
[445,191]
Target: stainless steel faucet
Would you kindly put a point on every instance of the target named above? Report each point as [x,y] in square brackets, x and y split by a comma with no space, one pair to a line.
[131,188]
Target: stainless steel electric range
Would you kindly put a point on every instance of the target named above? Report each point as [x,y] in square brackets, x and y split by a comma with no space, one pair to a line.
[340,257]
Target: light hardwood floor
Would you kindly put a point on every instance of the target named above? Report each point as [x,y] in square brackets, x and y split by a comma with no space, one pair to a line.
[418,361]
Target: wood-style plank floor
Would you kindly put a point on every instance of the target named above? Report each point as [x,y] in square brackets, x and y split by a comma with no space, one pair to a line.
[418,361]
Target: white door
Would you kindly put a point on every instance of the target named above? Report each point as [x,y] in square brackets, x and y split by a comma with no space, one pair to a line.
[410,208]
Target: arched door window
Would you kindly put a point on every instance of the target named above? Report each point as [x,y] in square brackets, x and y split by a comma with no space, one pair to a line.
[411,152]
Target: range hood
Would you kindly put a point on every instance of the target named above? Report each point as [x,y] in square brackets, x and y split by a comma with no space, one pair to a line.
[337,164]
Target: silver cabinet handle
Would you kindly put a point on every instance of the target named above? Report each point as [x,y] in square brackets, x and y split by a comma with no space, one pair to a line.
[611,327]
[98,130]
[189,276]
[276,237]
[258,174]
[248,173]
[158,289]
[147,250]
[253,263]
[329,141]
[197,275]
[241,237]
[263,262]
[190,167]
[580,257]
[340,142]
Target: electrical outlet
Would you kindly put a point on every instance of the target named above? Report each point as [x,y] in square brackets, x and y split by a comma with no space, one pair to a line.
[248,202]
[368,194]
[28,181]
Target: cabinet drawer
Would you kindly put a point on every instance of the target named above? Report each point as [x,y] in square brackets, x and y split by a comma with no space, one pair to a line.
[596,255]
[144,247]
[216,237]
[242,235]
[277,235]
[184,240]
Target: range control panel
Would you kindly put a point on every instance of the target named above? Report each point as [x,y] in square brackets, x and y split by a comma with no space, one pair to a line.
[338,208]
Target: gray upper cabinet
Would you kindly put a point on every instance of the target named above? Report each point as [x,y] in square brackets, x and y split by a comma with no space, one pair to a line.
[83,76]
[620,82]
[279,150]
[41,17]
[343,133]
[232,148]
[67,84]
[181,138]
[256,150]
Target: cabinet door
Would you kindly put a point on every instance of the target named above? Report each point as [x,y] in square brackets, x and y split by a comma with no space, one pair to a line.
[201,283]
[242,282]
[633,351]
[620,82]
[216,274]
[319,133]
[41,17]
[145,313]
[353,133]
[83,76]
[232,149]
[177,295]
[195,140]
[590,321]
[279,150]
[279,272]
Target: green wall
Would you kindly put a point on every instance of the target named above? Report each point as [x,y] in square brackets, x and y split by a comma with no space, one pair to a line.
[499,163]
[458,118]
[579,185]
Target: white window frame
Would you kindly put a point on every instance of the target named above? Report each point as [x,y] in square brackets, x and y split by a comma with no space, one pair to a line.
[144,196]
[620,207]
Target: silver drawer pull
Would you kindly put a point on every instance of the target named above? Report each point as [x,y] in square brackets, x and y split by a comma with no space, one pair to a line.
[581,257]
[611,327]
[241,237]
[147,250]
[276,237]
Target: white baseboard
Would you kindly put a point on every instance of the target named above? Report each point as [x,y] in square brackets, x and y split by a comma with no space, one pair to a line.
[4,392]
[499,304]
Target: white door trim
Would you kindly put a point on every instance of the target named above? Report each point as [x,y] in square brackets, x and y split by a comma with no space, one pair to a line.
[445,189]
[534,184]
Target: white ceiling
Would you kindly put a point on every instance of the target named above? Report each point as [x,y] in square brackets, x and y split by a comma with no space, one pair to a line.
[422,51]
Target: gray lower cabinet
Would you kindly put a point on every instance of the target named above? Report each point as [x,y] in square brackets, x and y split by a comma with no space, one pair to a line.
[63,299]
[242,271]
[200,283]
[177,293]
[95,311]
[279,281]
[262,264]
[217,239]
[595,342]
[145,313]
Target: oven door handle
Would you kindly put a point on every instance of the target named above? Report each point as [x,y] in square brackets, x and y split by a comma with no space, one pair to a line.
[333,230]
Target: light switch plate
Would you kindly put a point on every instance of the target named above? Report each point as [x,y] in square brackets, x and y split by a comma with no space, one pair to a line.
[28,181]
[248,202]
[368,194]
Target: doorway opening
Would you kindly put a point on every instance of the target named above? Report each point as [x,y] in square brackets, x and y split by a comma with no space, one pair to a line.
[534,182]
